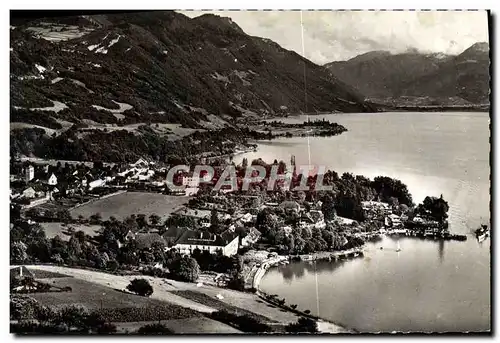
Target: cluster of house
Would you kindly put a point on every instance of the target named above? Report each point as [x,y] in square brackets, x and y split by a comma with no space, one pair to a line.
[186,240]
[377,209]
[35,191]
[312,218]
[33,184]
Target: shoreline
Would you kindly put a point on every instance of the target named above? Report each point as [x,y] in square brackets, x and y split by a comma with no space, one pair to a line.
[164,288]
[327,324]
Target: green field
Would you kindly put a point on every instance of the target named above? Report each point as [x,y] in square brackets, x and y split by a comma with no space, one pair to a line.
[123,205]
[57,229]
[45,274]
[198,325]
[116,306]
[219,305]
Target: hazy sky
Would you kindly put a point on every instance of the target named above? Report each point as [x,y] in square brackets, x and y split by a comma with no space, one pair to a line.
[340,35]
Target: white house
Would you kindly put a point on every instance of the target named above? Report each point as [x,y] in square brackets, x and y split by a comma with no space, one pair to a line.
[252,237]
[247,218]
[29,173]
[29,193]
[52,180]
[191,184]
[96,183]
[140,163]
[226,243]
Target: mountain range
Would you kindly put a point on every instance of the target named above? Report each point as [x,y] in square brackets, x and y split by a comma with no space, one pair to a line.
[417,77]
[122,85]
[164,67]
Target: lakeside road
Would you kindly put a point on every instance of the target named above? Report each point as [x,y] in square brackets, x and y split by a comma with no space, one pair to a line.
[163,287]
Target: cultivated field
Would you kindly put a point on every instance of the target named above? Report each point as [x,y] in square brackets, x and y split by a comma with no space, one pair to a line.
[123,205]
[219,305]
[163,290]
[198,325]
[54,229]
[114,305]
[44,274]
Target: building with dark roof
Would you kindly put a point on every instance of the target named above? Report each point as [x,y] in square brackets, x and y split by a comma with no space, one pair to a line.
[190,240]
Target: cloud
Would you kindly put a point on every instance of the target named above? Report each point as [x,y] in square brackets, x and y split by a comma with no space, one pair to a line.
[340,35]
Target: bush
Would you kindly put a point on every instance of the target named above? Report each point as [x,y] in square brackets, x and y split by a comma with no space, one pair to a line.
[140,287]
[185,269]
[303,325]
[26,328]
[243,322]
[237,283]
[73,316]
[154,329]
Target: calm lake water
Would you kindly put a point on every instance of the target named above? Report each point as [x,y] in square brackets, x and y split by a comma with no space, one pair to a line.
[428,286]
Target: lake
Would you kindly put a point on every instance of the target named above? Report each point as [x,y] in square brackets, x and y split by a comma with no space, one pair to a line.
[429,285]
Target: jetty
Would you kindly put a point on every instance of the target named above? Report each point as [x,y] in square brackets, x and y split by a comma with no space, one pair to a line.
[428,233]
[331,256]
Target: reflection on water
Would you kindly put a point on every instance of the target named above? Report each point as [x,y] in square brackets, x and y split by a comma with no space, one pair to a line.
[441,251]
[294,271]
[425,287]
[429,285]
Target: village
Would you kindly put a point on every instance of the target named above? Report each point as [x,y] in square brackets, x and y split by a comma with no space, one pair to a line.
[131,220]
[201,218]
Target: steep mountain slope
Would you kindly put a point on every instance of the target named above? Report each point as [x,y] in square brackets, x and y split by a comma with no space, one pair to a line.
[163,67]
[380,73]
[466,76]
[442,79]
[116,87]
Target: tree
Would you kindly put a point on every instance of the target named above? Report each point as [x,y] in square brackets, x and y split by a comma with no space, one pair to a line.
[436,208]
[18,252]
[112,265]
[141,221]
[403,208]
[214,222]
[154,329]
[73,316]
[33,212]
[328,236]
[154,219]
[237,282]
[49,214]
[185,269]
[140,287]
[328,208]
[303,325]
[64,216]
[15,212]
[349,206]
[96,218]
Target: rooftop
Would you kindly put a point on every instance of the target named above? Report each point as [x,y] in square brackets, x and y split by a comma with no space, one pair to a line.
[193,237]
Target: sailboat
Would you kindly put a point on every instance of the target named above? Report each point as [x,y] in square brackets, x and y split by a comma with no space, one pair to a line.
[398,248]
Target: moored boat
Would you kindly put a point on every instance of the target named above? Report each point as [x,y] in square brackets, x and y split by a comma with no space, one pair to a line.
[482,232]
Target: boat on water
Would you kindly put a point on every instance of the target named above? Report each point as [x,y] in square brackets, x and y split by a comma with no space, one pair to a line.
[398,249]
[482,232]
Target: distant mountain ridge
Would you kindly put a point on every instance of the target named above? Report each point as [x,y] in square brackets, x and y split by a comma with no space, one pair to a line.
[439,78]
[166,67]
